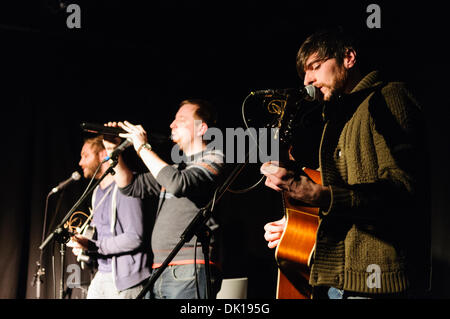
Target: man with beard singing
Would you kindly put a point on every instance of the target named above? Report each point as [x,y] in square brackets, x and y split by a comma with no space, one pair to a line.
[373,239]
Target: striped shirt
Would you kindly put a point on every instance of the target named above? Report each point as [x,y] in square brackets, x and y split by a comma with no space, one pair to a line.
[182,190]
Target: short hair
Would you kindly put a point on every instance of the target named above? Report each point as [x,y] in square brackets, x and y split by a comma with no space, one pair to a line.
[205,111]
[327,43]
[96,143]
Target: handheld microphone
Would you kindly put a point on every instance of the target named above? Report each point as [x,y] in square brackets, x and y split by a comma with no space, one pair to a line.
[101,129]
[119,149]
[309,92]
[75,177]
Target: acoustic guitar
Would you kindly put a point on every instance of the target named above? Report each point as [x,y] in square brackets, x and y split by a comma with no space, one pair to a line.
[296,246]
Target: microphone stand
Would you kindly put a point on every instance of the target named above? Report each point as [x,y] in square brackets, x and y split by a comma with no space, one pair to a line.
[198,227]
[37,278]
[62,253]
[61,234]
[40,272]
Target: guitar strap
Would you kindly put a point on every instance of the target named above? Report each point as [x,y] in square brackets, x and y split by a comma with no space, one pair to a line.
[113,204]
[114,210]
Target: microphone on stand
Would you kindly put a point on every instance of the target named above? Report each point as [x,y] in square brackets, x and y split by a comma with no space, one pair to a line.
[75,177]
[309,92]
[119,149]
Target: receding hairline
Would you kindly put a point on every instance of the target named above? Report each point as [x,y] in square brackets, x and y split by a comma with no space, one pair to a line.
[204,111]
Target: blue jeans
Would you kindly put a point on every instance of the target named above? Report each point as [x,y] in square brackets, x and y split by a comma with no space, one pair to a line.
[102,287]
[335,293]
[178,282]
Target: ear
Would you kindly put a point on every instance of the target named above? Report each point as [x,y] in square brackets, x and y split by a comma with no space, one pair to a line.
[350,59]
[203,127]
[102,154]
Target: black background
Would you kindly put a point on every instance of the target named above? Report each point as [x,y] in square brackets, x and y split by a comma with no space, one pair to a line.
[136,60]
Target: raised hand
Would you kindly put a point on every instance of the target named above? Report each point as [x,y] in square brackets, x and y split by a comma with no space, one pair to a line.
[135,132]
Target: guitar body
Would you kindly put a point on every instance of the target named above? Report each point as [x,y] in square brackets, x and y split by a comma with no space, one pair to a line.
[294,251]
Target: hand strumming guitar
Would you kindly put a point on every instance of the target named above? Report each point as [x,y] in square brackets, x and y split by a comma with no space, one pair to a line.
[78,244]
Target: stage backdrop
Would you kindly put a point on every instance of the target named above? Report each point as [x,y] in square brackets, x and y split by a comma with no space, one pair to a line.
[136,62]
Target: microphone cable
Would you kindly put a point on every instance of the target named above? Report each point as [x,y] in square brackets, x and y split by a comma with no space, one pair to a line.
[245,190]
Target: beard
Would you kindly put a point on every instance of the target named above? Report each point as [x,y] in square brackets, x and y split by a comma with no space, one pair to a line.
[338,85]
[89,170]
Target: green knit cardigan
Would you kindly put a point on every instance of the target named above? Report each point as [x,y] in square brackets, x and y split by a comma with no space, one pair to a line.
[374,236]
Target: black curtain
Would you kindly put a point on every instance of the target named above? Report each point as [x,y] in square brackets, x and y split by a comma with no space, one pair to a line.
[136,62]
